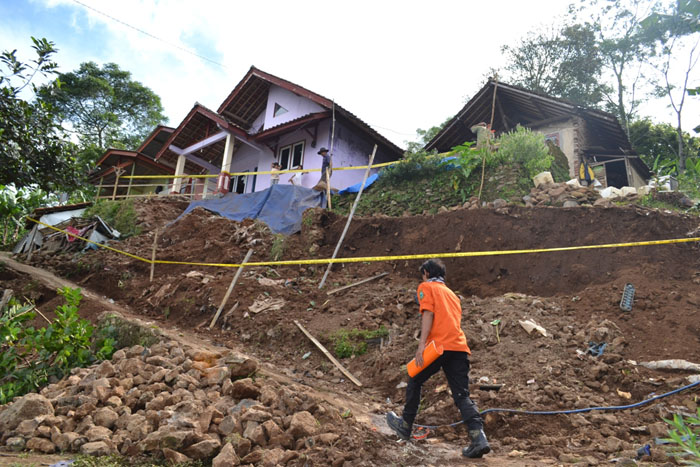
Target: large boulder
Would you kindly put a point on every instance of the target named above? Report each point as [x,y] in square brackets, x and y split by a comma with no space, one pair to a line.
[25,408]
[204,449]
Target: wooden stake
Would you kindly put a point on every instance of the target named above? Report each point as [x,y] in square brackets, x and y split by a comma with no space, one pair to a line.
[153,255]
[488,140]
[378,276]
[328,187]
[128,189]
[328,354]
[230,288]
[352,212]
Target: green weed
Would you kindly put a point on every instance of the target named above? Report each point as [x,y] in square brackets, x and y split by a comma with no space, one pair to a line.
[354,342]
[684,436]
[277,248]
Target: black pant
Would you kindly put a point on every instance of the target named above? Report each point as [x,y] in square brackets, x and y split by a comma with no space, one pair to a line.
[456,368]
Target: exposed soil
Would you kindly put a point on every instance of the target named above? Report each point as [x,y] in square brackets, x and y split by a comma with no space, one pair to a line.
[574,295]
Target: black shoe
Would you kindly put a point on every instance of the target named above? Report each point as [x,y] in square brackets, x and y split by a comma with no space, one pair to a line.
[400,427]
[479,445]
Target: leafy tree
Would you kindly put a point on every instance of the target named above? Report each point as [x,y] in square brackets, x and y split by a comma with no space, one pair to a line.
[564,62]
[105,107]
[34,151]
[657,143]
[675,30]
[622,49]
[424,137]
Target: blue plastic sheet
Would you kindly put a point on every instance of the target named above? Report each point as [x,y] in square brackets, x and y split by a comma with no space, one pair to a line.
[280,206]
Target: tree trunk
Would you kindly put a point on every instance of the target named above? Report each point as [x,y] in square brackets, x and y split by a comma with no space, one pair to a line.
[681,153]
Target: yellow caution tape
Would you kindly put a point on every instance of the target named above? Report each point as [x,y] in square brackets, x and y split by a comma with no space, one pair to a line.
[369,259]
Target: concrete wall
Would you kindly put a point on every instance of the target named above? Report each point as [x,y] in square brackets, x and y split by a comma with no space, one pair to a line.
[296,106]
[565,132]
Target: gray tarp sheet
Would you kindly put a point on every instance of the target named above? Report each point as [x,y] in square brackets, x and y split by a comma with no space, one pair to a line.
[280,206]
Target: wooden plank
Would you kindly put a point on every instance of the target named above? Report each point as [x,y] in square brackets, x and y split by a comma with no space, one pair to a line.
[153,255]
[230,288]
[363,281]
[352,212]
[328,354]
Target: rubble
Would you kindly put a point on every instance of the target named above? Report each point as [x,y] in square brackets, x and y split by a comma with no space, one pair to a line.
[173,402]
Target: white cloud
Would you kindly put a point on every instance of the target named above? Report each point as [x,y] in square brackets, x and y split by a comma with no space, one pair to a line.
[397,65]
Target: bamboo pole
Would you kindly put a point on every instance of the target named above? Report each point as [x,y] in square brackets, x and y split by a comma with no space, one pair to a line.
[128,189]
[363,281]
[328,188]
[153,255]
[488,140]
[230,288]
[99,188]
[352,212]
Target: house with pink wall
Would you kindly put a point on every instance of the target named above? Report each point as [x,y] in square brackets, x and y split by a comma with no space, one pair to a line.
[267,119]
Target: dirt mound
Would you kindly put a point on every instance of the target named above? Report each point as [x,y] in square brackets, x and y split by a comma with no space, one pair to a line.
[574,295]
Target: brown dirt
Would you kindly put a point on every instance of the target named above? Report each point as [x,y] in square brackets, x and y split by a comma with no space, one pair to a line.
[573,295]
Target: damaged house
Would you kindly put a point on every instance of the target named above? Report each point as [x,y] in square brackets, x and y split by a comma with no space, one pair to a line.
[116,163]
[582,134]
[266,119]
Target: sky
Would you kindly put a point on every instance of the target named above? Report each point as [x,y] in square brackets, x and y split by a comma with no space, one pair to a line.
[398,65]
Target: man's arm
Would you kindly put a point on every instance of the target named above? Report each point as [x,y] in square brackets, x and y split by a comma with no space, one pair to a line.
[426,324]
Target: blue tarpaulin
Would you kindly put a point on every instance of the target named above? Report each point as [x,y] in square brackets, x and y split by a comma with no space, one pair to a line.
[280,206]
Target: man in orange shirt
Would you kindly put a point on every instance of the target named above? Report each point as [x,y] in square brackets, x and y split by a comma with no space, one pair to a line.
[441,322]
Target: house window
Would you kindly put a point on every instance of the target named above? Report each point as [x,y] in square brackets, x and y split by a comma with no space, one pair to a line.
[238,183]
[292,156]
[279,110]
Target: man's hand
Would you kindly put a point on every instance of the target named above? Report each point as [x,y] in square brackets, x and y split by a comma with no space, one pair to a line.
[419,355]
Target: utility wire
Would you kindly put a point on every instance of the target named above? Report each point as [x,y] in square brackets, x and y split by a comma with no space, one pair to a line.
[148,34]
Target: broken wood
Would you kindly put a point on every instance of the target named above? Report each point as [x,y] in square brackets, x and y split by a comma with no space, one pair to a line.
[363,281]
[153,254]
[352,212]
[328,354]
[6,297]
[230,288]
[228,314]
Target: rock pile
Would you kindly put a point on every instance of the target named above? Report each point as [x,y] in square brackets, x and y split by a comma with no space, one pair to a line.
[181,404]
[561,194]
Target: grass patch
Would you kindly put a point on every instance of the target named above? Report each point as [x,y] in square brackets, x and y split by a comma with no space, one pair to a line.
[347,343]
[119,215]
[119,461]
[277,248]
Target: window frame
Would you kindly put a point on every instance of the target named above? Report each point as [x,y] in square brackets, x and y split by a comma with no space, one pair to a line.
[290,160]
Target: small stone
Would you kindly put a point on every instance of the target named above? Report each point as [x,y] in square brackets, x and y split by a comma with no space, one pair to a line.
[174,457]
[98,433]
[98,448]
[203,450]
[244,389]
[226,457]
[105,417]
[41,445]
[303,424]
[15,443]
[64,441]
[253,457]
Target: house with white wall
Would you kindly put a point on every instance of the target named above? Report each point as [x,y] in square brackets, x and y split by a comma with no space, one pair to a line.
[267,119]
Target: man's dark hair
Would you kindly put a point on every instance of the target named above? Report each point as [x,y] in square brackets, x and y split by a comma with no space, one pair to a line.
[434,267]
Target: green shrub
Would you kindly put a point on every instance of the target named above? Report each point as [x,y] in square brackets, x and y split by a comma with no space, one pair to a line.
[354,342]
[119,215]
[277,248]
[29,356]
[684,439]
[524,147]
[413,166]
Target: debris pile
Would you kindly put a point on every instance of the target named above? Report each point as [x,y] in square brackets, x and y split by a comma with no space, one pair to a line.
[51,241]
[180,403]
[561,194]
